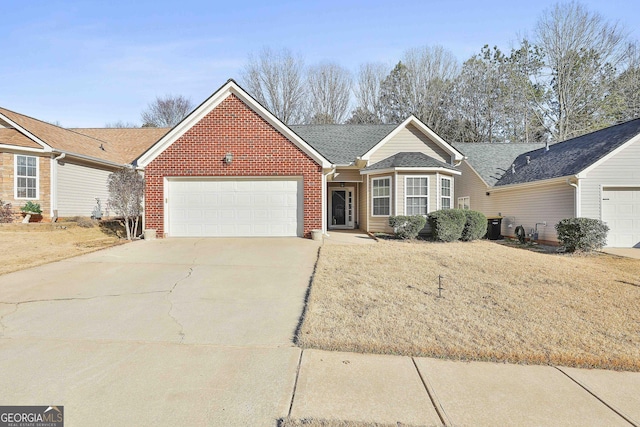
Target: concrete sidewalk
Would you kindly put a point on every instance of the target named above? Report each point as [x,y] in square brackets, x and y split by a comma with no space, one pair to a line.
[426,392]
[624,252]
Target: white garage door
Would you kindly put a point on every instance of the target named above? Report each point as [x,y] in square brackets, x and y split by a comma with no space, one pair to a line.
[621,212]
[224,207]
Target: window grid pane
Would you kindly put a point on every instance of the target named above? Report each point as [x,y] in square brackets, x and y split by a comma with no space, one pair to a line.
[26,177]
[445,193]
[416,192]
[381,194]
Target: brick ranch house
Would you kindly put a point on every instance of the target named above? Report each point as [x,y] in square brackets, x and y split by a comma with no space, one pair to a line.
[231,168]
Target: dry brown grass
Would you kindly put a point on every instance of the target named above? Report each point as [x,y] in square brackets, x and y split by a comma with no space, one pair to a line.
[499,304]
[314,422]
[28,245]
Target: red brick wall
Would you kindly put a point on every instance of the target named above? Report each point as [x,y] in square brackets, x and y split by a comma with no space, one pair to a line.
[258,150]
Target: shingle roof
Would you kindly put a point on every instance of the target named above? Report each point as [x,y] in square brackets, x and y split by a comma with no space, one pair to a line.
[130,143]
[491,161]
[120,146]
[408,160]
[341,144]
[13,137]
[571,156]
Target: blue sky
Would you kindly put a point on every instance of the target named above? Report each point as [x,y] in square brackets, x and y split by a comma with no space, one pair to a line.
[87,63]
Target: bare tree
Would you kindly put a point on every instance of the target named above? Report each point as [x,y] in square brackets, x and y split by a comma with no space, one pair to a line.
[367,94]
[478,95]
[276,80]
[581,52]
[329,93]
[166,111]
[421,84]
[627,85]
[521,96]
[126,190]
[397,95]
[120,124]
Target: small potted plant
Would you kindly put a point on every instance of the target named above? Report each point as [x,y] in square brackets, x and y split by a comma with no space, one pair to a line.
[31,212]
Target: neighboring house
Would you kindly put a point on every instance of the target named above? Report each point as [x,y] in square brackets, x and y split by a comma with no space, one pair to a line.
[63,170]
[231,168]
[595,176]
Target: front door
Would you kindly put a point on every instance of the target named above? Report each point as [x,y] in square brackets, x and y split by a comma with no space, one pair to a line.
[341,208]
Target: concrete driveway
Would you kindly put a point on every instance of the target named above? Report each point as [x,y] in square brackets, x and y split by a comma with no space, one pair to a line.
[165,332]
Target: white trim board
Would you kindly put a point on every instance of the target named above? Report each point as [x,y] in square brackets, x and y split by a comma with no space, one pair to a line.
[228,89]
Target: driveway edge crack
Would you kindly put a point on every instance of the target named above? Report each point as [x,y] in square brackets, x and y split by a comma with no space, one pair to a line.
[167,295]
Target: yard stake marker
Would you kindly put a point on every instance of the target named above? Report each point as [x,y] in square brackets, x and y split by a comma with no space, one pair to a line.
[436,405]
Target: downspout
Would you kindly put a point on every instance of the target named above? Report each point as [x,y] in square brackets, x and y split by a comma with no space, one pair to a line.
[54,187]
[576,185]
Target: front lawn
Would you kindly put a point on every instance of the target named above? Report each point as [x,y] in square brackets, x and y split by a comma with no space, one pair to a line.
[28,245]
[499,303]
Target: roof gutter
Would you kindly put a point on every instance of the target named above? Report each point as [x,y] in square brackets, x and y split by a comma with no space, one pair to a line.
[500,188]
[20,148]
[63,154]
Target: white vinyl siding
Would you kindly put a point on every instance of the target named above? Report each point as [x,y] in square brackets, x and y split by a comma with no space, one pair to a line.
[445,193]
[381,196]
[530,205]
[410,139]
[470,185]
[78,188]
[26,177]
[416,193]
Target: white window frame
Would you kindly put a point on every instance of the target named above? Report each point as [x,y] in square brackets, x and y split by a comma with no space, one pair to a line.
[381,178]
[16,176]
[450,196]
[406,196]
[461,200]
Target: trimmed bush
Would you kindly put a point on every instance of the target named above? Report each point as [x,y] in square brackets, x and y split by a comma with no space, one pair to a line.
[6,213]
[582,234]
[447,225]
[407,227]
[475,226]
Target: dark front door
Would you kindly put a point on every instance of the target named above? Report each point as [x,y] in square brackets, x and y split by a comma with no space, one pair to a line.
[338,207]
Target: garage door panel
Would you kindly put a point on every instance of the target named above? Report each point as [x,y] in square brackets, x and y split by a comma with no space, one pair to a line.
[621,212]
[245,207]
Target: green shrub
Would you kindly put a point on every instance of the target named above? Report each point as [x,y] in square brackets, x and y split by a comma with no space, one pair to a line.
[447,224]
[475,226]
[407,227]
[6,213]
[31,207]
[582,234]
